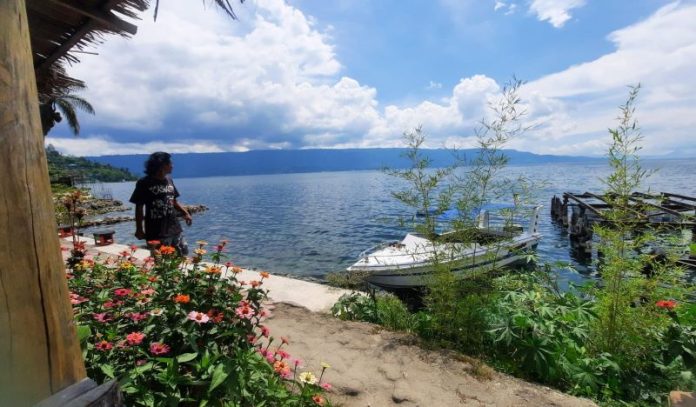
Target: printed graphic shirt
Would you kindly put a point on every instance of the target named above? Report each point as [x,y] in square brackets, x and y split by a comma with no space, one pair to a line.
[158,196]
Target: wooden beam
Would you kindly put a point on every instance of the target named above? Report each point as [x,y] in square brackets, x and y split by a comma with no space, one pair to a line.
[102,16]
[583,203]
[65,47]
[39,349]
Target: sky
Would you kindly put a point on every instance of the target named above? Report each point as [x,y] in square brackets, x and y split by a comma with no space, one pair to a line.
[297,74]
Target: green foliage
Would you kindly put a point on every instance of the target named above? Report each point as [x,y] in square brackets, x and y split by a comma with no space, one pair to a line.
[175,333]
[61,168]
[425,191]
[627,340]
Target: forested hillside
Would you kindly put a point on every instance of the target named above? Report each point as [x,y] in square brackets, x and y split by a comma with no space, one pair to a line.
[63,169]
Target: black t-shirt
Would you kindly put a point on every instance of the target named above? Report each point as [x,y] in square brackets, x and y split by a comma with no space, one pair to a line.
[158,196]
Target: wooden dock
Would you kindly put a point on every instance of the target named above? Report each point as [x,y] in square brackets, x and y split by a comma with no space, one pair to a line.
[579,212]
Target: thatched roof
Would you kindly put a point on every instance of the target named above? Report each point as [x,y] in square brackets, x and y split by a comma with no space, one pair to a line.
[60,29]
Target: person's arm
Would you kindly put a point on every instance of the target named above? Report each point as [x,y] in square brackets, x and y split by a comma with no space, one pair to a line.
[139,231]
[187,216]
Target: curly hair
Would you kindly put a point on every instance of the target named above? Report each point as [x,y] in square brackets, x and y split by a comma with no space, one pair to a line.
[156,161]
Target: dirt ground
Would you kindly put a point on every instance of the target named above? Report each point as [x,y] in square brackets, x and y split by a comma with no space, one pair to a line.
[377,368]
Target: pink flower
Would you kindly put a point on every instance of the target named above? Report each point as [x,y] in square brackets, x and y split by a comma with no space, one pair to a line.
[326,386]
[244,312]
[283,354]
[112,304]
[122,292]
[158,348]
[148,291]
[76,299]
[135,338]
[284,339]
[297,362]
[251,338]
[137,316]
[103,346]
[265,331]
[102,317]
[270,358]
[198,317]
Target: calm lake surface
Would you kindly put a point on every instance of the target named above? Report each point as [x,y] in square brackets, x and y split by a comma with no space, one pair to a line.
[311,224]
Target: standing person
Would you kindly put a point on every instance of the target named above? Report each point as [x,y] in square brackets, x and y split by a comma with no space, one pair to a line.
[157,193]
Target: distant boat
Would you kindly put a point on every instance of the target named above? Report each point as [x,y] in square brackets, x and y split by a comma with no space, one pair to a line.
[409,263]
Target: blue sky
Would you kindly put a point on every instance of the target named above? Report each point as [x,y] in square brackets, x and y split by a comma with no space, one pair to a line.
[358,73]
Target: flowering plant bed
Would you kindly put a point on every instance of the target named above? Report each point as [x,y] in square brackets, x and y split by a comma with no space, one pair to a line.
[176,331]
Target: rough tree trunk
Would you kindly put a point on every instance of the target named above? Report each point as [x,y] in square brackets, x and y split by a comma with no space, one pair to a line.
[39,351]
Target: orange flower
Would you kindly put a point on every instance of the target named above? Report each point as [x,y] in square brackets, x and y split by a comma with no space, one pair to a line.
[166,250]
[318,399]
[280,366]
[182,299]
[264,274]
[213,270]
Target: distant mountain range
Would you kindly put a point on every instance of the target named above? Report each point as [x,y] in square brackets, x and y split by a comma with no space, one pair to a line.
[296,161]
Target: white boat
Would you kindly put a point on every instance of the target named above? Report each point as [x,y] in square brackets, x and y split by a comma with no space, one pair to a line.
[409,263]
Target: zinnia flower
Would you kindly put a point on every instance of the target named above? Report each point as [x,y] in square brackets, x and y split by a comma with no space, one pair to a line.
[215,315]
[255,283]
[200,252]
[264,274]
[77,299]
[326,386]
[167,250]
[244,312]
[201,243]
[308,378]
[135,338]
[212,270]
[102,317]
[265,331]
[318,399]
[666,304]
[137,316]
[122,292]
[198,317]
[280,365]
[158,348]
[182,298]
[103,346]
[148,291]
[157,312]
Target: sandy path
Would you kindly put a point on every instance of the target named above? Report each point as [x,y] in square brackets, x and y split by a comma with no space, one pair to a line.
[377,368]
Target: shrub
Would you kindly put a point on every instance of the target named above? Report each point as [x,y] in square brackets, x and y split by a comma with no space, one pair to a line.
[173,332]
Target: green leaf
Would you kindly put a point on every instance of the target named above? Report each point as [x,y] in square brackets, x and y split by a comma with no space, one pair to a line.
[186,357]
[108,370]
[219,376]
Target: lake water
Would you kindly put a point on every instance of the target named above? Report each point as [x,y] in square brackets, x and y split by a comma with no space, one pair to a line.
[310,224]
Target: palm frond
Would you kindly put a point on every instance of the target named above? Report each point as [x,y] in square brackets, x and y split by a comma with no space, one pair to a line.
[79,103]
[68,111]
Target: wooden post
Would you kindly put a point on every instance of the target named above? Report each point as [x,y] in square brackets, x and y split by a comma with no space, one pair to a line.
[39,350]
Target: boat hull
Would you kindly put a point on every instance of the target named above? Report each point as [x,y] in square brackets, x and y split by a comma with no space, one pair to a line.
[421,276]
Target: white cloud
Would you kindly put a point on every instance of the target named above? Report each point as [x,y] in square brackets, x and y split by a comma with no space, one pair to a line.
[509,8]
[660,53]
[100,145]
[556,12]
[196,81]
[433,85]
